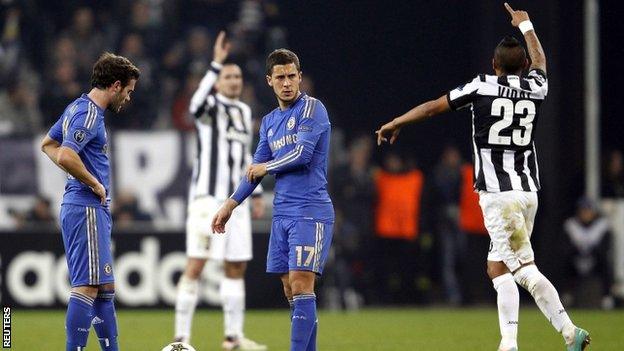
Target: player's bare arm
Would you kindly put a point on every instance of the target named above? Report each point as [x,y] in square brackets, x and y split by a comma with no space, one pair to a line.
[51,147]
[536,52]
[389,132]
[69,160]
[223,215]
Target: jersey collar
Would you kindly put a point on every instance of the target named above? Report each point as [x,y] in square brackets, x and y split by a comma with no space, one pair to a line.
[86,97]
[299,98]
[226,99]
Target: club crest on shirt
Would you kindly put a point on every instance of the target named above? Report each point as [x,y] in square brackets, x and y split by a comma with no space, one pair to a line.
[79,136]
[291,123]
[270,133]
[108,269]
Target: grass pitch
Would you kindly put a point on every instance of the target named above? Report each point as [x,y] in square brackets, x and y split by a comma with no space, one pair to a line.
[369,329]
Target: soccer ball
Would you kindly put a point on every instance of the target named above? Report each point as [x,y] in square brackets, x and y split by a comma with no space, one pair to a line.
[178,346]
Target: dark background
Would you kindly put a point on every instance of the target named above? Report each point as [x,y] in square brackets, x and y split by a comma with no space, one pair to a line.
[375,60]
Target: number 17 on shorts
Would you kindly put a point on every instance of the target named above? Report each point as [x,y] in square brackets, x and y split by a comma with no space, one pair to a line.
[310,244]
[298,245]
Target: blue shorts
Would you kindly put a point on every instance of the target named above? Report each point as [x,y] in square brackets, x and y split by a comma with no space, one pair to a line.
[87,240]
[298,245]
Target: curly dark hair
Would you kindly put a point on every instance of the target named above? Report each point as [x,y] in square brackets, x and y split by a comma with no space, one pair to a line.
[110,68]
[281,57]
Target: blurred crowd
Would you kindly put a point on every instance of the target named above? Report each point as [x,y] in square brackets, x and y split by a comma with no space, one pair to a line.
[47,51]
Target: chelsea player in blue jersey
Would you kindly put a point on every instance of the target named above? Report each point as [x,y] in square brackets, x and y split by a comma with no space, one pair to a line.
[294,147]
[77,143]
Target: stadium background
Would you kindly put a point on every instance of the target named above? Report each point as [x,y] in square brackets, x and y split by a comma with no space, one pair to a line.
[368,61]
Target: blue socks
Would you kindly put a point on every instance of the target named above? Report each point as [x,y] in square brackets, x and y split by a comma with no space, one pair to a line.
[105,321]
[78,320]
[312,342]
[82,311]
[303,321]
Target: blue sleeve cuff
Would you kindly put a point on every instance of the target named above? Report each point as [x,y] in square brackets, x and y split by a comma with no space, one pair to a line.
[245,188]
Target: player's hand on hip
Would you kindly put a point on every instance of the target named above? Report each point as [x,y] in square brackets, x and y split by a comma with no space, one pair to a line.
[221,48]
[389,132]
[256,172]
[517,16]
[100,191]
[220,219]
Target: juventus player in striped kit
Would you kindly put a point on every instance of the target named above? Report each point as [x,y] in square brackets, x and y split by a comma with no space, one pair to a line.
[224,129]
[504,112]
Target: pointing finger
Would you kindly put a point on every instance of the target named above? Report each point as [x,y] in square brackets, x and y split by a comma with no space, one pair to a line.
[509,9]
[220,38]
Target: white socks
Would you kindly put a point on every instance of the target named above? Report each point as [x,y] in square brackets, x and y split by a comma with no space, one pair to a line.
[547,299]
[508,300]
[186,300]
[233,299]
[232,293]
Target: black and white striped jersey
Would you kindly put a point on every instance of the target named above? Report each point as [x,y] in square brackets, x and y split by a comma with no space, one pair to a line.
[224,138]
[505,112]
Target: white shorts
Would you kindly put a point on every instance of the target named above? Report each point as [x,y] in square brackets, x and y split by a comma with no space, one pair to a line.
[509,217]
[234,245]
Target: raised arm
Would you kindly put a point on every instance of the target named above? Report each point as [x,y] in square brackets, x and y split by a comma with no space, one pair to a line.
[521,20]
[389,132]
[199,99]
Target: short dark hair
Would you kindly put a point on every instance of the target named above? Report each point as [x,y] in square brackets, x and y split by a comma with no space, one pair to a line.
[510,55]
[281,57]
[110,68]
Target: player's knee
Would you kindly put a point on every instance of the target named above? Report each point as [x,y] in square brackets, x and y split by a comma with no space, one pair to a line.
[495,269]
[86,290]
[301,282]
[235,270]
[107,287]
[286,284]
[194,268]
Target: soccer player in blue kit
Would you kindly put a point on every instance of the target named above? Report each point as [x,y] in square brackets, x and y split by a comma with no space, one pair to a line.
[294,147]
[77,143]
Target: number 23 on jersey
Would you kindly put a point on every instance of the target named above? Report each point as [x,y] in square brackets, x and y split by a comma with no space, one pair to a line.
[521,133]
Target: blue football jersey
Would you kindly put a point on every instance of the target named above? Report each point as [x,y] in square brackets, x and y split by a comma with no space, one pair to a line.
[295,144]
[81,128]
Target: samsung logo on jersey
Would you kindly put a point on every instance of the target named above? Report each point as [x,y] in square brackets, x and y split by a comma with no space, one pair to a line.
[283,141]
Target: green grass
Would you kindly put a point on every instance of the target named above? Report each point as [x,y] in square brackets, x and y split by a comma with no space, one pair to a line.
[370,329]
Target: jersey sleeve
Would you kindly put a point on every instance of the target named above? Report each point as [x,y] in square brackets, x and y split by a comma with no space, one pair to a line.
[314,122]
[56,131]
[263,151]
[262,154]
[258,190]
[538,81]
[464,94]
[201,98]
[81,128]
